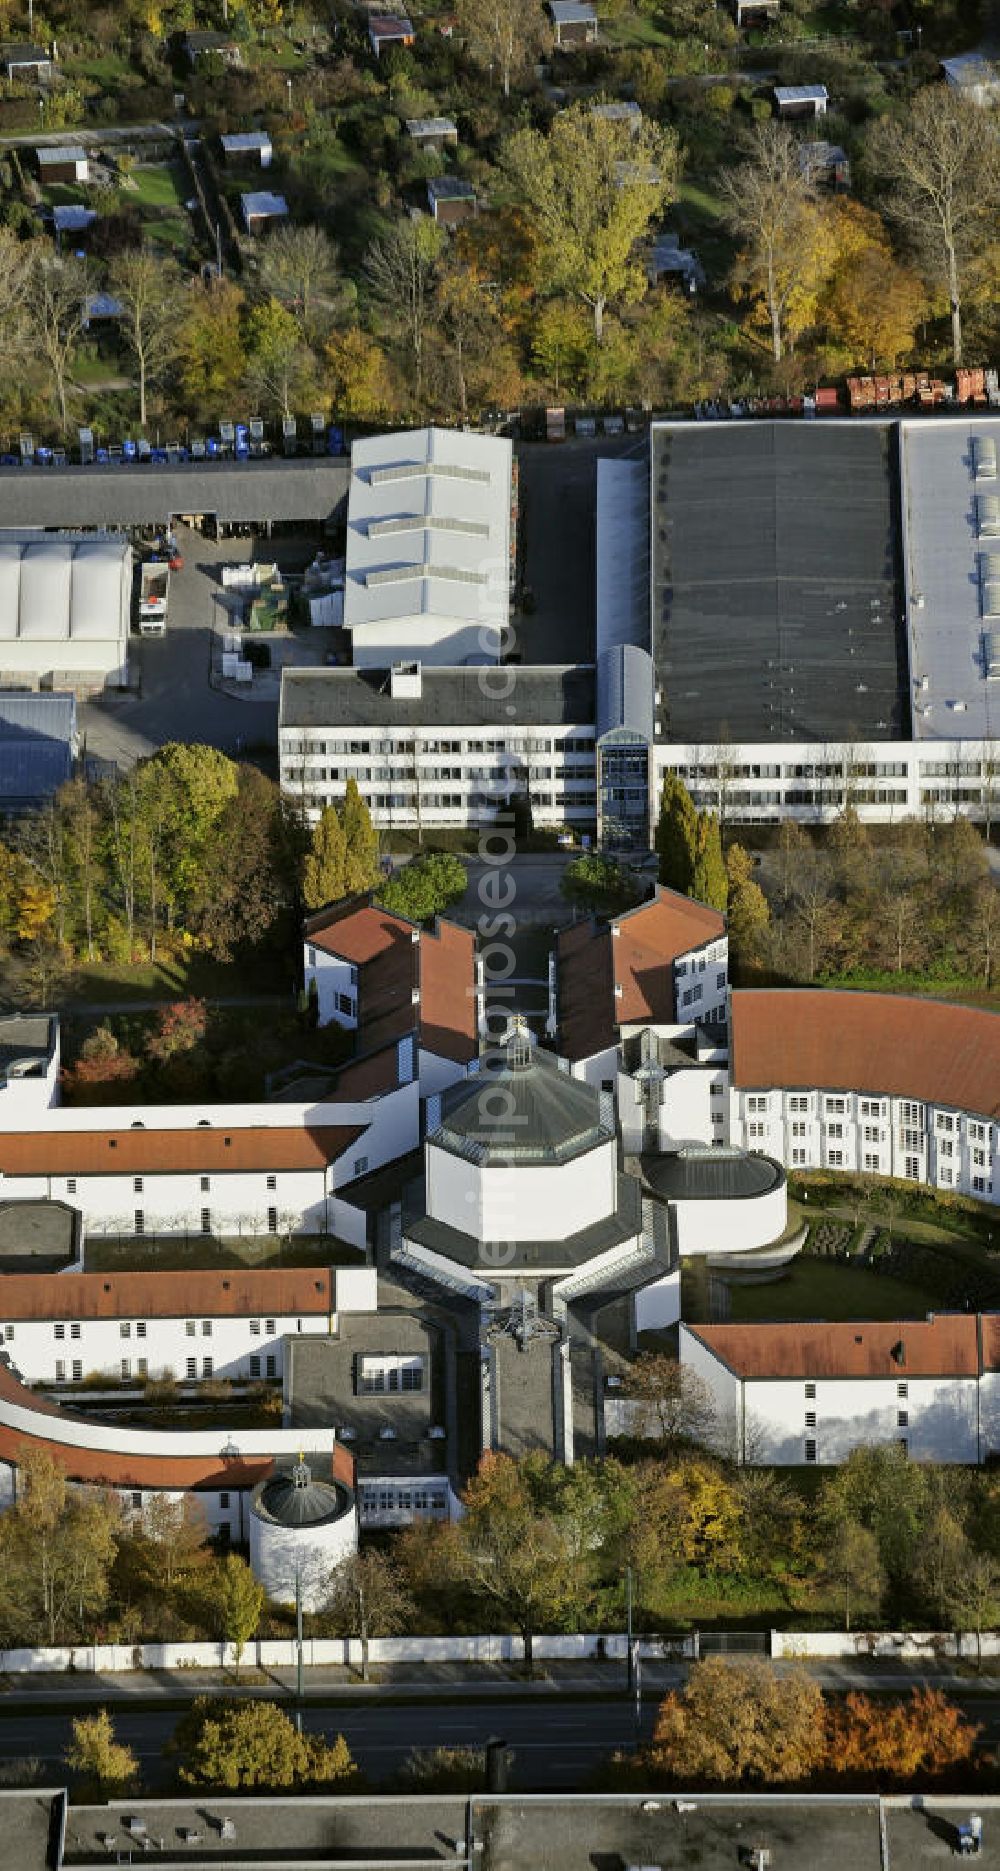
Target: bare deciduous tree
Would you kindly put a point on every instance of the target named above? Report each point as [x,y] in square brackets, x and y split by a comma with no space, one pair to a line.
[767,197]
[149,293]
[942,167]
[58,309]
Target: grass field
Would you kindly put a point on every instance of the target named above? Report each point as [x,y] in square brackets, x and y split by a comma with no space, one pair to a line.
[827,1289]
[98,983]
[157,185]
[201,1253]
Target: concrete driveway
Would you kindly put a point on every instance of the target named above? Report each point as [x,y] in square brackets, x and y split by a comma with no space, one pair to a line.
[537,901]
[173,700]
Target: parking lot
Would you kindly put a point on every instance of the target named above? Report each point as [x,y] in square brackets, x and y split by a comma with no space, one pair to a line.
[171,696]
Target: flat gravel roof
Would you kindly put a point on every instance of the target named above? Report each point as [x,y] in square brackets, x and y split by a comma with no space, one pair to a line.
[776,610]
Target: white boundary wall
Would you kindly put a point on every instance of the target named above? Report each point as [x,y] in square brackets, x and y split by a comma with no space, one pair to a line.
[335,1652]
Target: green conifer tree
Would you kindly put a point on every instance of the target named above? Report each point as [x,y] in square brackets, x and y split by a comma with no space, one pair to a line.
[709,883]
[676,835]
[323,869]
[361,865]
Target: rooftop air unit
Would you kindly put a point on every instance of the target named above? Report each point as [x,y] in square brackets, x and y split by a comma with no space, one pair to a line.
[984,452]
[988,516]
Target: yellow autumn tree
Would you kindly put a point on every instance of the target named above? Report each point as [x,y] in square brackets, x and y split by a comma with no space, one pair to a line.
[870,304]
[360,377]
[35,910]
[738,1724]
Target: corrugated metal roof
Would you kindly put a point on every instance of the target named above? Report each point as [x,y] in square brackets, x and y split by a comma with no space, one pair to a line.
[60,152]
[626,693]
[147,494]
[622,554]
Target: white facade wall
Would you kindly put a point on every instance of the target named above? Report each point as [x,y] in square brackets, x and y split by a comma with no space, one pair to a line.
[725,1388]
[448,776]
[233,1202]
[64,1350]
[244,1202]
[813,781]
[659,1304]
[336,982]
[282,1557]
[600,1070]
[731,1227]
[936,1419]
[701,982]
[941,1148]
[523,1202]
[792,1421]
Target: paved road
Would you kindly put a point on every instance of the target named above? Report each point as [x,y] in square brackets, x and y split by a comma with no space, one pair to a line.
[554,1746]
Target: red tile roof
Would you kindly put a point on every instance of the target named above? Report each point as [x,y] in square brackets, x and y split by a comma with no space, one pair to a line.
[635,954]
[356,929]
[276,1292]
[645,944]
[448,992]
[146,1150]
[896,1045]
[132,1468]
[394,958]
[586,999]
[944,1345]
[372,1076]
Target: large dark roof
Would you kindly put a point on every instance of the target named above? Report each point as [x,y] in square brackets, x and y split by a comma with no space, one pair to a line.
[776,608]
[147,494]
[711,1175]
[521,1109]
[537,697]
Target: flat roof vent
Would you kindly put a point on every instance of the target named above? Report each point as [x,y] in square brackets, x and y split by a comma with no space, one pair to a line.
[984,454]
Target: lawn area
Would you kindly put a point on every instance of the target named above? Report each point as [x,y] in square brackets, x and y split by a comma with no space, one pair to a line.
[205,1253]
[827,1289]
[635,30]
[157,185]
[98,983]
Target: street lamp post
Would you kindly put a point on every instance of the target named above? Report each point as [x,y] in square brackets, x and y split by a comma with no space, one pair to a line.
[298,1647]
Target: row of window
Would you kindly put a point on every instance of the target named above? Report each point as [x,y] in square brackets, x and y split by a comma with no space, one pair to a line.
[571,744]
[126,1327]
[270,1183]
[266,1367]
[402,1501]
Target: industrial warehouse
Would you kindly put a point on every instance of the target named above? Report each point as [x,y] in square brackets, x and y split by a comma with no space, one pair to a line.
[796,617]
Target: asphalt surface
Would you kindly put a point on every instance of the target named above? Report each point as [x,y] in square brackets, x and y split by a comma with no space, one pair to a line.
[555,1747]
[556,520]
